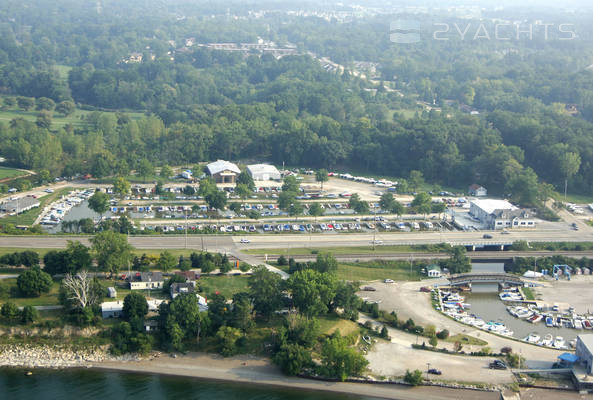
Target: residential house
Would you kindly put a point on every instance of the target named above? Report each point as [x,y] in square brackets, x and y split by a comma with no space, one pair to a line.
[114,309]
[178,288]
[477,190]
[433,271]
[223,171]
[146,280]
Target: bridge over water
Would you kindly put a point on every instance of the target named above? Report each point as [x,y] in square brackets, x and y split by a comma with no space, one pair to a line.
[470,278]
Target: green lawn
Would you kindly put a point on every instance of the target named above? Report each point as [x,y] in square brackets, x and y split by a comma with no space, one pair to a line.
[329,324]
[77,119]
[29,217]
[226,285]
[466,339]
[8,286]
[371,271]
[10,173]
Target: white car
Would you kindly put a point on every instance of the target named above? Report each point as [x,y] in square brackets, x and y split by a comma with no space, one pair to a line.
[245,241]
[389,281]
[377,242]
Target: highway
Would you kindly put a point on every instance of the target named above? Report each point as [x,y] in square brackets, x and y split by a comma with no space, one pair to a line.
[229,243]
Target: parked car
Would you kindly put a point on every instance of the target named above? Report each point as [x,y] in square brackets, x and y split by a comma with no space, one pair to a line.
[487,236]
[369,289]
[435,371]
[497,364]
[389,281]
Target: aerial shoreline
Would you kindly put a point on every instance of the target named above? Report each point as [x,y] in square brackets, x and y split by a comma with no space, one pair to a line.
[259,371]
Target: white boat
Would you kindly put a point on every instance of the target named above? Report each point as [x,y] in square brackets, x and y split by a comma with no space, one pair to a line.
[548,341]
[507,332]
[559,343]
[532,338]
[578,324]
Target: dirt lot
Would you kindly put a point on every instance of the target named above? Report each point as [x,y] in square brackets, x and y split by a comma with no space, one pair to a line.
[578,292]
[408,302]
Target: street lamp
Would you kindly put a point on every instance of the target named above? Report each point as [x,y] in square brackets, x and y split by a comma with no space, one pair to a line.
[427,369]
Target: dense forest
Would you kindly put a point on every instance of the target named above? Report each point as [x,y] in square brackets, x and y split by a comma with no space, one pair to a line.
[534,97]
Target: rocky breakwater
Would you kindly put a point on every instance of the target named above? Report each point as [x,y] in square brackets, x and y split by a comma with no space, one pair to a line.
[31,356]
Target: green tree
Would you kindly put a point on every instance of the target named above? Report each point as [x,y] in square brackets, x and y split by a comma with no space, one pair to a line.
[242,190]
[433,341]
[145,169]
[44,176]
[43,103]
[358,205]
[245,179]
[422,203]
[167,261]
[569,164]
[321,176]
[135,307]
[285,199]
[413,378]
[339,360]
[293,358]
[298,329]
[111,250]
[121,186]
[242,312]
[29,315]
[99,203]
[33,282]
[227,339]
[265,291]
[290,184]
[166,172]
[9,311]
[326,262]
[458,261]
[216,199]
[44,120]
[315,210]
[524,188]
[312,291]
[416,180]
[66,108]
[25,103]
[295,209]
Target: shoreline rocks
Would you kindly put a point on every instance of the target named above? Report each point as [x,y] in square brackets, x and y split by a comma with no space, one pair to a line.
[31,356]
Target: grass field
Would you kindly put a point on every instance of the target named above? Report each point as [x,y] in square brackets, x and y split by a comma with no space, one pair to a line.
[29,217]
[10,173]
[466,339]
[8,286]
[226,285]
[329,324]
[77,119]
[372,271]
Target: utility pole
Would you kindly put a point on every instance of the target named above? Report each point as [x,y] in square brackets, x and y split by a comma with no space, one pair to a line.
[565,188]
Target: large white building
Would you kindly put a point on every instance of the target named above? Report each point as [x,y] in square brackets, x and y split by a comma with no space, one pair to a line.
[500,214]
[223,171]
[264,172]
[584,350]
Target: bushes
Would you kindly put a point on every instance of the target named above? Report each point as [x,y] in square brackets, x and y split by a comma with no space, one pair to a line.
[444,334]
[33,282]
[413,378]
[27,258]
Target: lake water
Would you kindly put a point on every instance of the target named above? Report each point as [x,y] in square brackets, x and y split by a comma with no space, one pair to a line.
[89,384]
[486,304]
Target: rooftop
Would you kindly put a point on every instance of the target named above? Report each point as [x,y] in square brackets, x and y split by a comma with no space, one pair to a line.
[262,168]
[222,165]
[587,341]
[491,205]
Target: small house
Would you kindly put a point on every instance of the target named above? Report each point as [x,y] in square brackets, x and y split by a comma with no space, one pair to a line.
[433,271]
[477,190]
[112,309]
[111,292]
[146,280]
[180,288]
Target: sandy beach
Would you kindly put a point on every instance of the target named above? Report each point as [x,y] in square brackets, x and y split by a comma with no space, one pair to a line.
[255,370]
